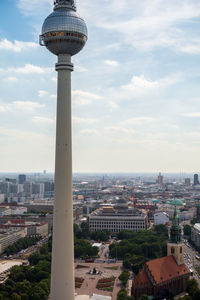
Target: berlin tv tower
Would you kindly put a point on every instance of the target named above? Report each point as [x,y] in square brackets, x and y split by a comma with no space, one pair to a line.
[64,33]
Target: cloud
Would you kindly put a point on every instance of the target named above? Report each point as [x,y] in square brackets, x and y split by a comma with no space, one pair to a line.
[26,105]
[118,130]
[43,120]
[152,24]
[78,120]
[30,69]
[34,7]
[82,98]
[192,115]
[112,105]
[11,79]
[140,85]
[111,63]
[137,121]
[16,46]
[89,132]
[46,94]
[3,108]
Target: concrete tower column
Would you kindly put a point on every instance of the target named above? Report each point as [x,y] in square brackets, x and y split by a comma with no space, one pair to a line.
[62,273]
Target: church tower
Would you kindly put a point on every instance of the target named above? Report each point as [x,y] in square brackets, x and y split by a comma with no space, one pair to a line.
[175,245]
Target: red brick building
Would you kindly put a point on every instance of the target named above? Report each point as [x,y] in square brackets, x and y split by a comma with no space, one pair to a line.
[161,276]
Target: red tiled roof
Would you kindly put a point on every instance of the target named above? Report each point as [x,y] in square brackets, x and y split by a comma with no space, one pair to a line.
[142,279]
[166,268]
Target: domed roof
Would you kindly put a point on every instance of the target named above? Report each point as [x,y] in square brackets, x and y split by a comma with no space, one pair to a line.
[177,202]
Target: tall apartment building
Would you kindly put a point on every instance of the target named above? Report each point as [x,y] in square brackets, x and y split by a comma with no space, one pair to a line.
[21,178]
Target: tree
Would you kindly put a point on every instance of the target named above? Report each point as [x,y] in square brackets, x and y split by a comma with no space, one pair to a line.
[15,296]
[124,277]
[85,230]
[192,287]
[187,229]
[122,295]
[161,229]
[144,297]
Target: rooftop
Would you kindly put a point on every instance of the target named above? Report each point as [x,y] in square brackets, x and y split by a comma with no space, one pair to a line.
[166,268]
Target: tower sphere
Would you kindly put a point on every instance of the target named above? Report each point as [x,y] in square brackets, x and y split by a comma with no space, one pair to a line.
[64,31]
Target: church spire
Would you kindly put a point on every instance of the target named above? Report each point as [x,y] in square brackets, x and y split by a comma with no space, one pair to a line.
[175,230]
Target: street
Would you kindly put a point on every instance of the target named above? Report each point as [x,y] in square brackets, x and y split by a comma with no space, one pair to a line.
[191,261]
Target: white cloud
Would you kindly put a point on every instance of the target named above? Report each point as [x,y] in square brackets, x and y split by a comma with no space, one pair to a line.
[118,130]
[34,7]
[82,98]
[43,93]
[112,63]
[11,79]
[26,105]
[137,121]
[78,120]
[16,46]
[30,69]
[140,86]
[192,115]
[43,120]
[152,23]
[113,105]
[3,108]
[46,94]
[89,132]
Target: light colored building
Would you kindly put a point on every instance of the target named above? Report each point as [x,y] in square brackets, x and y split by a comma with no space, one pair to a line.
[195,234]
[18,210]
[5,211]
[11,236]
[115,220]
[161,218]
[32,228]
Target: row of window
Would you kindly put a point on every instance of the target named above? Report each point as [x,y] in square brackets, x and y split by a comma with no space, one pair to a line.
[59,33]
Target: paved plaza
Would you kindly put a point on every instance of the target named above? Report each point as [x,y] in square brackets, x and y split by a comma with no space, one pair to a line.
[104,270]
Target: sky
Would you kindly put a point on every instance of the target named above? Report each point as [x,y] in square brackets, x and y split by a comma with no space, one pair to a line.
[135,87]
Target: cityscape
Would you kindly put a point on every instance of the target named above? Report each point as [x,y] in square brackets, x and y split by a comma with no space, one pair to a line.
[99,132]
[109,211]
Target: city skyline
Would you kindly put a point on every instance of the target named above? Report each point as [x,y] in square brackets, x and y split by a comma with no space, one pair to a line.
[135,96]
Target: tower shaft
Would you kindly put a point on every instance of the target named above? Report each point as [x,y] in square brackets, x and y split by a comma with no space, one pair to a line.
[62,273]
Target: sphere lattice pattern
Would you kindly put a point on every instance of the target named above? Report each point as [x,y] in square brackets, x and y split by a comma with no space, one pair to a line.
[64,32]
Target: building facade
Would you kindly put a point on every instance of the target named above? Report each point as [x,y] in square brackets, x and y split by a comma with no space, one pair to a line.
[195,234]
[115,221]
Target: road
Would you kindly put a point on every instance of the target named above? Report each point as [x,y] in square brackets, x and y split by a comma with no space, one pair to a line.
[191,261]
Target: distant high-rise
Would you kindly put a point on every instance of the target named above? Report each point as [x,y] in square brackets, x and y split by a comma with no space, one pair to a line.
[196,179]
[21,178]
[160,179]
[187,181]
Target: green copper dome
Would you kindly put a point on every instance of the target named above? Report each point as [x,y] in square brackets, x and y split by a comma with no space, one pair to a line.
[177,202]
